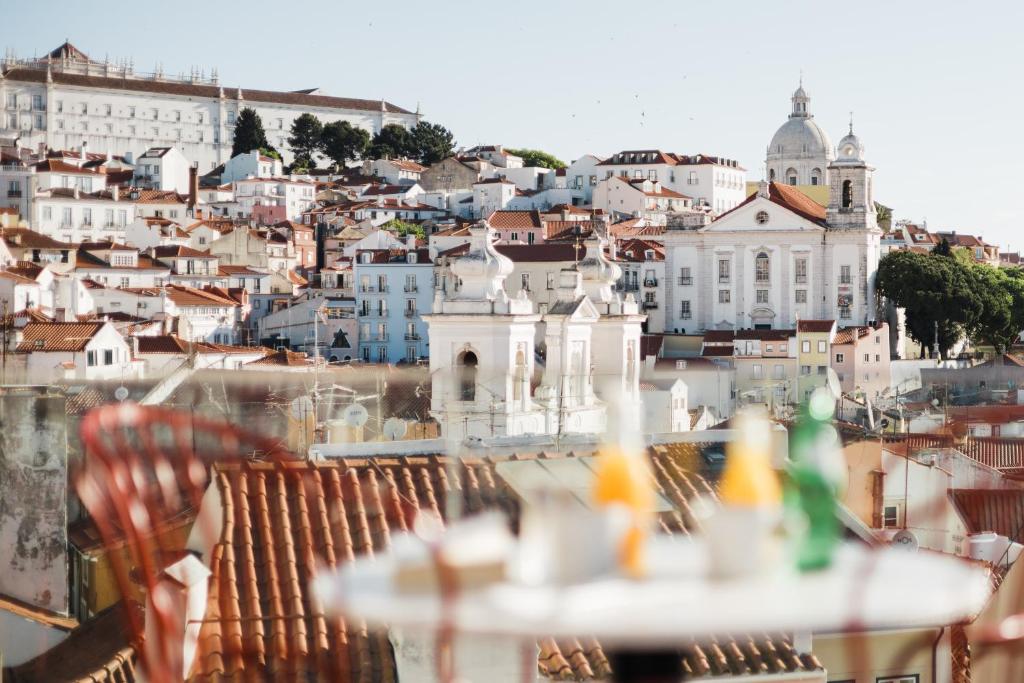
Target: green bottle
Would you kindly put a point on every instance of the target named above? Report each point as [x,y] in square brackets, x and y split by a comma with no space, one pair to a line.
[815,472]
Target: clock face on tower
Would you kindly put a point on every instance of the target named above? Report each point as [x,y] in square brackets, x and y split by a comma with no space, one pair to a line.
[849,150]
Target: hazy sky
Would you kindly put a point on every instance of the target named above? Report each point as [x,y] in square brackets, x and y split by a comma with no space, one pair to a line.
[935,87]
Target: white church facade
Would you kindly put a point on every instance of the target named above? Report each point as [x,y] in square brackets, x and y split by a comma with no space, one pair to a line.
[488,379]
[780,256]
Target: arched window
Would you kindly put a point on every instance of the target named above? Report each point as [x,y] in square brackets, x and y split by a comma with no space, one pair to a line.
[771,176]
[847,194]
[762,272]
[816,176]
[791,176]
[467,376]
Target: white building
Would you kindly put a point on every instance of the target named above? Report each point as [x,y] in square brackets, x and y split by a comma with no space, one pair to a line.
[162,168]
[393,291]
[251,164]
[66,98]
[582,176]
[272,200]
[780,256]
[56,351]
[713,182]
[394,171]
[639,198]
[800,151]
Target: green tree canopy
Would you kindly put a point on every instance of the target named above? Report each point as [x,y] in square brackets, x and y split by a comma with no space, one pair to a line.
[401,228]
[341,142]
[430,143]
[304,140]
[249,133]
[945,293]
[392,142]
[538,158]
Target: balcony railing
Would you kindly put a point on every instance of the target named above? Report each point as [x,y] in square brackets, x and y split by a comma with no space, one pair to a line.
[800,279]
[651,282]
[627,286]
[412,336]
[377,337]
[723,279]
[411,313]
[13,193]
[685,281]
[412,288]
[650,304]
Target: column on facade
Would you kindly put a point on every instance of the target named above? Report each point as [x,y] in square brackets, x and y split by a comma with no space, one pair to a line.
[785,311]
[738,276]
[826,296]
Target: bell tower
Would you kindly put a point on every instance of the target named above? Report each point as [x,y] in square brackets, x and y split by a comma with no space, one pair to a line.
[482,349]
[851,204]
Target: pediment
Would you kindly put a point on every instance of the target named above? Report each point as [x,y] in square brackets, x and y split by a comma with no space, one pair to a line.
[744,218]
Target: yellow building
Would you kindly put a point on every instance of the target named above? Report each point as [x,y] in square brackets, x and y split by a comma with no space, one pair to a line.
[814,342]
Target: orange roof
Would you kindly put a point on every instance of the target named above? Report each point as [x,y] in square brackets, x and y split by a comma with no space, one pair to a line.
[72,337]
[58,166]
[297,515]
[998,510]
[190,296]
[284,357]
[514,220]
[789,198]
[813,326]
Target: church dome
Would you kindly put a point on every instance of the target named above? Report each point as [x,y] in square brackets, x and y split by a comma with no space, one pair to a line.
[800,137]
[482,270]
[851,149]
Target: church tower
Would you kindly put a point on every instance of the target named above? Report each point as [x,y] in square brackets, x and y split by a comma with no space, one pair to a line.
[851,204]
[481,349]
[800,150]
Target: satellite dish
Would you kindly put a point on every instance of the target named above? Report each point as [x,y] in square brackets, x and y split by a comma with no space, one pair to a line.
[905,539]
[301,407]
[832,382]
[355,415]
[395,428]
[121,393]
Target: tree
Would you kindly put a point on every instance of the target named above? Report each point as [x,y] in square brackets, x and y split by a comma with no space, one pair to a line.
[883,215]
[430,143]
[538,158]
[249,133]
[936,293]
[341,142]
[392,142]
[401,228]
[1001,295]
[304,140]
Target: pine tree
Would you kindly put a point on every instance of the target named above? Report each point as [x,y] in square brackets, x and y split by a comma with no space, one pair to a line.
[392,142]
[340,142]
[305,140]
[430,143]
[249,134]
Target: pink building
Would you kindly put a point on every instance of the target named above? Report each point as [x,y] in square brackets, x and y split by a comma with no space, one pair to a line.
[860,356]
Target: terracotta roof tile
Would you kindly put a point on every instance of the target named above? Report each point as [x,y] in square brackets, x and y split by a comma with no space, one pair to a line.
[281,520]
[998,510]
[511,220]
[813,326]
[70,337]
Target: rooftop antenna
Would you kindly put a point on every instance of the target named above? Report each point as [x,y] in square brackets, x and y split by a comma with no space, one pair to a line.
[801,78]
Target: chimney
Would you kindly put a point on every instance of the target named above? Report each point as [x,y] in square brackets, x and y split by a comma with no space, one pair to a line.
[193,186]
[84,150]
[115,193]
[183,587]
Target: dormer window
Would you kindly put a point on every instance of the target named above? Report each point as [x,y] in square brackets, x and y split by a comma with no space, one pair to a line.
[410,257]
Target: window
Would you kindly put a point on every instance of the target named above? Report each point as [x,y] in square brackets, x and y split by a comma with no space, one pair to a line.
[805,369]
[761,271]
[724,296]
[692,180]
[685,277]
[90,358]
[108,356]
[822,369]
[912,678]
[847,194]
[86,216]
[844,275]
[778,371]
[867,357]
[525,281]
[844,312]
[131,112]
[723,270]
[878,358]
[768,348]
[801,296]
[652,176]
[801,271]
[805,346]
[47,213]
[551,280]
[762,296]
[822,346]
[684,310]
[761,217]
[840,358]
[758,371]
[891,519]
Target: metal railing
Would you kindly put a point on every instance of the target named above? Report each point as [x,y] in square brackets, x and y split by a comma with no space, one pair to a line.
[411,313]
[412,336]
[651,282]
[13,193]
[650,304]
[412,288]
[685,281]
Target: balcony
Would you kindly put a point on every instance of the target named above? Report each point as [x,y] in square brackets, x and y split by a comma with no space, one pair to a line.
[800,279]
[377,337]
[627,286]
[723,279]
[13,194]
[651,282]
[411,313]
[412,288]
[648,305]
[412,336]
[685,281]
